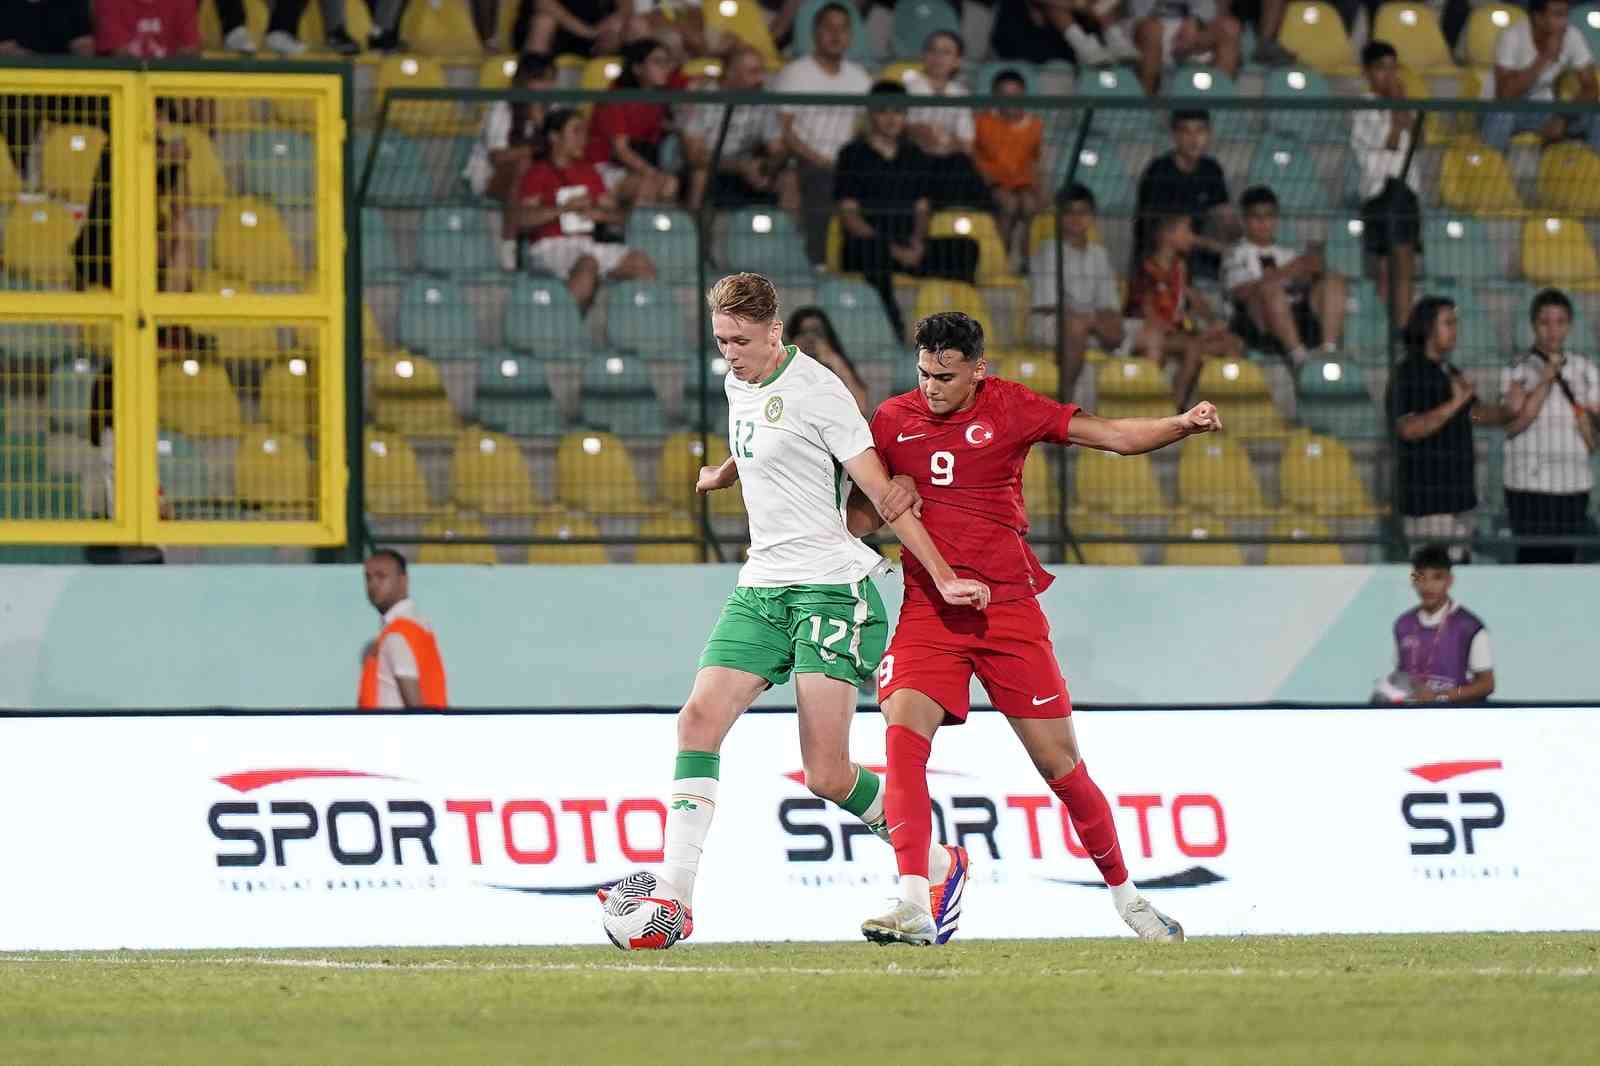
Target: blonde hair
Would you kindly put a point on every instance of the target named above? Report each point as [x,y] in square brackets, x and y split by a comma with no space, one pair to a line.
[747,296]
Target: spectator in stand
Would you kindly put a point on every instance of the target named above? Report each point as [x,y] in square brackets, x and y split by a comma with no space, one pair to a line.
[1172,32]
[625,139]
[1283,300]
[813,136]
[677,24]
[881,190]
[1097,33]
[1091,307]
[147,29]
[945,134]
[750,169]
[1267,17]
[563,199]
[1189,182]
[1441,649]
[575,27]
[810,330]
[1176,323]
[1391,208]
[1530,57]
[1431,403]
[1007,144]
[46,27]
[1552,397]
[508,142]
[283,26]
[1032,31]
[780,20]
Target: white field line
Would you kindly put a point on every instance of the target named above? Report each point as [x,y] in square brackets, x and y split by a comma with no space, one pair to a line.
[892,969]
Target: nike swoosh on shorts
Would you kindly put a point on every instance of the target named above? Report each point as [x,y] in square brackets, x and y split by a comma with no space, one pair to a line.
[1037,702]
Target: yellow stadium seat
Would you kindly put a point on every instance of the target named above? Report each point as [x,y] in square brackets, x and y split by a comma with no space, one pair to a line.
[251,337]
[1041,492]
[196,399]
[567,526]
[1108,483]
[255,20]
[743,19]
[372,341]
[900,70]
[1557,251]
[416,414]
[204,179]
[488,474]
[404,373]
[1440,128]
[1035,369]
[38,244]
[1569,179]
[69,161]
[1102,553]
[394,481]
[251,243]
[1295,527]
[701,69]
[934,296]
[1475,178]
[287,397]
[357,23]
[600,72]
[682,456]
[273,470]
[668,525]
[1413,29]
[1240,387]
[1318,476]
[10,180]
[594,473]
[1202,549]
[456,524]
[994,267]
[1131,388]
[441,28]
[1484,27]
[496,72]
[420,118]
[1214,474]
[1315,33]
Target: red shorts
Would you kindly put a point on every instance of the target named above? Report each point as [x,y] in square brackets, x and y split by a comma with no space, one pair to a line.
[1007,646]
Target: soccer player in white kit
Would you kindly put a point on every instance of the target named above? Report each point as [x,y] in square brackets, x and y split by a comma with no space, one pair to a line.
[805,603]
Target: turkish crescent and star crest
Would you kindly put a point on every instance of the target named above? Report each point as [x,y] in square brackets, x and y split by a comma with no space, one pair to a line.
[978,433]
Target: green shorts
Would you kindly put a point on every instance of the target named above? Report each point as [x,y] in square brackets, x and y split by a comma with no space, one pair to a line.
[837,630]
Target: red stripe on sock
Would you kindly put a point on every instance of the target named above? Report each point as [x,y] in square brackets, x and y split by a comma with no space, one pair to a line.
[1091,817]
[905,802]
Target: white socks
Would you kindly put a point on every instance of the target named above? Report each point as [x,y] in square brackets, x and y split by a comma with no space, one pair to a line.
[1124,894]
[689,812]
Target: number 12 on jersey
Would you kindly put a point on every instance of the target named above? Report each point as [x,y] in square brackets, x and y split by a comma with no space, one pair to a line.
[943,465]
[744,435]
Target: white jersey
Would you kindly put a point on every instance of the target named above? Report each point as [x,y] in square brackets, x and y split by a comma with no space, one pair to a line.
[789,436]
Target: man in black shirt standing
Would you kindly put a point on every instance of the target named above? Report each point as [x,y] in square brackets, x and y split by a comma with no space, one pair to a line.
[1187,181]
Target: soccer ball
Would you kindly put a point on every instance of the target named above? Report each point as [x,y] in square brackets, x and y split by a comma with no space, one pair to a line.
[639,916]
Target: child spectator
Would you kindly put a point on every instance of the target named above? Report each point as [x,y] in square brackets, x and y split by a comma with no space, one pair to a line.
[1283,300]
[625,139]
[1176,324]
[506,147]
[563,198]
[810,330]
[1187,181]
[1091,307]
[1391,211]
[1170,32]
[1441,649]
[1006,148]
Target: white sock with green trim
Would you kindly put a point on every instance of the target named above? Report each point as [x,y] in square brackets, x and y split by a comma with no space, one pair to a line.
[689,813]
[866,802]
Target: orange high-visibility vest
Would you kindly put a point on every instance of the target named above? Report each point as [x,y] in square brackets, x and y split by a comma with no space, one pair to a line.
[430,667]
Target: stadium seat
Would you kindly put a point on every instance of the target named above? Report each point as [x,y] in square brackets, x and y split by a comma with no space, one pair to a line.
[1102,173]
[1413,29]
[1315,33]
[514,396]
[1303,83]
[1109,483]
[409,396]
[496,72]
[1366,324]
[745,20]
[1557,251]
[667,235]
[857,314]
[280,165]
[1478,342]
[398,165]
[250,242]
[69,161]
[914,20]
[567,527]
[1342,251]
[1456,246]
[422,118]
[1333,400]
[542,317]
[488,474]
[436,319]
[11,184]
[1036,369]
[594,473]
[1569,179]
[765,240]
[1041,490]
[247,337]
[618,396]
[394,481]
[456,525]
[682,456]
[38,243]
[1587,18]
[197,399]
[404,372]
[1201,87]
[459,242]
[994,267]
[441,28]
[1297,527]
[599,72]
[1317,475]
[1240,388]
[183,472]
[860,39]
[274,471]
[1484,27]
[1475,178]
[1111,81]
[668,525]
[1101,553]
[1287,167]
[1202,549]
[379,260]
[642,316]
[1131,388]
[71,389]
[1214,475]
[205,181]
[288,400]
[935,296]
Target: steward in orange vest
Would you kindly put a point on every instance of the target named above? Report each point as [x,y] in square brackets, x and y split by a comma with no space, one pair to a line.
[401,668]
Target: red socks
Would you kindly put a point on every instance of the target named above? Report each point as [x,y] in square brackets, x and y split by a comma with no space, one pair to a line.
[1091,817]
[905,806]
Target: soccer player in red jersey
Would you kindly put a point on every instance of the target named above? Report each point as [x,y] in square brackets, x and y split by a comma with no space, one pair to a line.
[962,438]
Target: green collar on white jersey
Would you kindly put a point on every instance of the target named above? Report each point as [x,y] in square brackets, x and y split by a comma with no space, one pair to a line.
[789,352]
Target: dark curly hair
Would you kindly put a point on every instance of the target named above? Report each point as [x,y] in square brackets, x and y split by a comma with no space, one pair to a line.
[950,330]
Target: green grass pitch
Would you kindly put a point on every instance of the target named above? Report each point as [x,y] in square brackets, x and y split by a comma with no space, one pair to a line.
[1278,1000]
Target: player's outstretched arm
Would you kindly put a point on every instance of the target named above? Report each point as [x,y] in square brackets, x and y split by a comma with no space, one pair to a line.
[868,472]
[1132,436]
[713,478]
[862,518]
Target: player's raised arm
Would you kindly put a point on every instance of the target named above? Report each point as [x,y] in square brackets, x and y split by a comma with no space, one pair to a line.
[1132,436]
[862,517]
[868,473]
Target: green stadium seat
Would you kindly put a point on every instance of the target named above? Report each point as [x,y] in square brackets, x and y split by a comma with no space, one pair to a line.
[714,398]
[1587,18]
[379,260]
[1342,252]
[1287,168]
[435,319]
[1366,330]
[860,40]
[857,314]
[71,386]
[1200,87]
[1111,81]
[281,165]
[1303,83]
[400,171]
[183,471]
[618,396]
[459,242]
[514,396]
[1334,400]
[642,316]
[1101,170]
[41,555]
[915,19]
[1478,343]
[1457,246]
[27,488]
[765,240]
[668,235]
[542,317]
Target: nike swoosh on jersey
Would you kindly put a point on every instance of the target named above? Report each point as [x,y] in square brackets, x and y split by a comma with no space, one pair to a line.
[901,438]
[1037,702]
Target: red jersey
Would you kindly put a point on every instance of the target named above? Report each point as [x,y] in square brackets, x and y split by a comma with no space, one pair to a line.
[547,185]
[640,123]
[147,29]
[1158,294]
[968,469]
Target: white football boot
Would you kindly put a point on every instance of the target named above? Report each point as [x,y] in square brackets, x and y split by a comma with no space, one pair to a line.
[1143,918]
[906,924]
